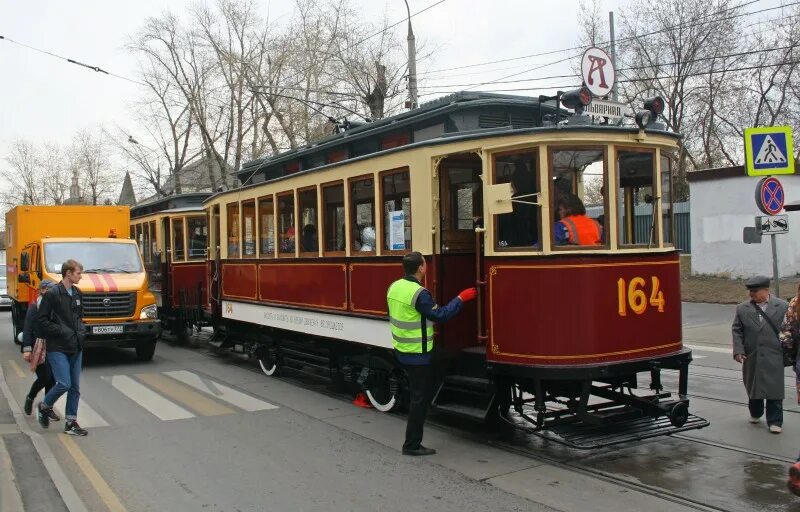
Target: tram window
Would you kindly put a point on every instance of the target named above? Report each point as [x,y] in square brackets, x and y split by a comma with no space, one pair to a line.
[667,214]
[362,215]
[309,242]
[177,240]
[139,237]
[520,227]
[266,226]
[249,228]
[396,200]
[153,249]
[233,231]
[286,223]
[578,197]
[198,237]
[333,217]
[635,197]
[145,243]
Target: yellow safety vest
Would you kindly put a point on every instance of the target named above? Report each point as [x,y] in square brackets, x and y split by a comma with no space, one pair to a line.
[410,334]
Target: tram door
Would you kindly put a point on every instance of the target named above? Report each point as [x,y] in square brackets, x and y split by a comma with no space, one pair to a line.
[461,205]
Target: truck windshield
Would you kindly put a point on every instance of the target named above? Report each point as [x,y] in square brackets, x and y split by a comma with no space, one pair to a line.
[95,257]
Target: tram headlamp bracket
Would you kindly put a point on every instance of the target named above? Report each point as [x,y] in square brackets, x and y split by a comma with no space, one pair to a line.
[643,118]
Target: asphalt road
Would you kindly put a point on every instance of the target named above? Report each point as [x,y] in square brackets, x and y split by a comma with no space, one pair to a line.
[195,431]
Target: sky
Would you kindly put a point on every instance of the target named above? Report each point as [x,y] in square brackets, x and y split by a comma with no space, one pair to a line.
[44,98]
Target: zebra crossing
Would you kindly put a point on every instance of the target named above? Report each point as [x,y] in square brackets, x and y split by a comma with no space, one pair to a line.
[168,396]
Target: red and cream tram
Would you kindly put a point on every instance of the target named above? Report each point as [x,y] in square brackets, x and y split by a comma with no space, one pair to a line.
[302,253]
[172,234]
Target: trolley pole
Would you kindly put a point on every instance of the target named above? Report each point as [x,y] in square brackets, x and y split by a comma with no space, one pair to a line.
[412,64]
[775,266]
[613,48]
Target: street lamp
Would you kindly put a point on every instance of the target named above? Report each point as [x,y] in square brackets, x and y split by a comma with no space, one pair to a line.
[412,64]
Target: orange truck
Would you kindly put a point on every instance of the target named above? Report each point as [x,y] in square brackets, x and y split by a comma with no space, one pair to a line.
[119,309]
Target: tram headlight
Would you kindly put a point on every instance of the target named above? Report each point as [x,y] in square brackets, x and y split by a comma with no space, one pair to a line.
[576,99]
[643,118]
[655,105]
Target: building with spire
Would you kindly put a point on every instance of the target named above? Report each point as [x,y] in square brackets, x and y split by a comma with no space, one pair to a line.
[127,197]
[75,196]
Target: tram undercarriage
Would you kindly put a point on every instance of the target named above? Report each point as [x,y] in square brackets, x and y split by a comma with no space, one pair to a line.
[582,407]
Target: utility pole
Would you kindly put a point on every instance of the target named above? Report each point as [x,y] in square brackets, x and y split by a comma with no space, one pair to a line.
[412,64]
[613,49]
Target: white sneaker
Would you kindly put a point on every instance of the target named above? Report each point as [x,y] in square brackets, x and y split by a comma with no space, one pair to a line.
[775,429]
[753,419]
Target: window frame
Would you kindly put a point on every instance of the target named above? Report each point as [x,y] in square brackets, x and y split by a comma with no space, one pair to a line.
[352,216]
[187,218]
[238,254]
[259,253]
[656,176]
[242,204]
[539,247]
[380,224]
[298,239]
[293,194]
[172,221]
[323,211]
[669,157]
[551,149]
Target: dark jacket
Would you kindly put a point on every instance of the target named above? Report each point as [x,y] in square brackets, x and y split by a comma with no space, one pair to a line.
[60,320]
[30,331]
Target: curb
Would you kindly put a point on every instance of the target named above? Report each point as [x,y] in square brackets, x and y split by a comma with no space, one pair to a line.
[57,475]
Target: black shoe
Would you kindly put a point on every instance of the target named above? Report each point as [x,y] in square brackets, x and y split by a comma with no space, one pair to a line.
[421,450]
[53,415]
[43,415]
[28,405]
[72,428]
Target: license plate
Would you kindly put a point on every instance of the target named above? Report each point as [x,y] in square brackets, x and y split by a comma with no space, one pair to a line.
[107,329]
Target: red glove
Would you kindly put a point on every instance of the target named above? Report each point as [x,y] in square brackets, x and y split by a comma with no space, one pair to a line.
[468,294]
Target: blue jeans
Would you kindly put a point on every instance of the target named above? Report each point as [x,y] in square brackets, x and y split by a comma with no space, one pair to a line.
[67,374]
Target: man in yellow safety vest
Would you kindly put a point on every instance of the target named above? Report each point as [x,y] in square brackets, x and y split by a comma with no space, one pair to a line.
[411,306]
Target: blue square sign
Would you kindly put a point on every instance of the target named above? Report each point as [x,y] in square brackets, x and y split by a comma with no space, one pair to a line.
[768,150]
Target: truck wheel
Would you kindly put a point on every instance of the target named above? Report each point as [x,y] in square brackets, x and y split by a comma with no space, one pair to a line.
[15,323]
[145,351]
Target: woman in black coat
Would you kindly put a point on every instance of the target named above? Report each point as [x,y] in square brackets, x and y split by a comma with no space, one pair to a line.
[44,375]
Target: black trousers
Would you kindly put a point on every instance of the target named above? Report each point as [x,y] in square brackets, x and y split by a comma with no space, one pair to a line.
[44,380]
[421,386]
[774,410]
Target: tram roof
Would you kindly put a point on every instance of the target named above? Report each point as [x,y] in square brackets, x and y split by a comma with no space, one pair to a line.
[459,116]
[179,203]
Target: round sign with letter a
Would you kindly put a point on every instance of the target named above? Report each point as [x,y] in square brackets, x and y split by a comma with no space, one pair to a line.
[597,71]
[769,196]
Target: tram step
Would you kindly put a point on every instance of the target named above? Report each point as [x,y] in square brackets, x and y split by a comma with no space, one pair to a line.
[476,384]
[463,410]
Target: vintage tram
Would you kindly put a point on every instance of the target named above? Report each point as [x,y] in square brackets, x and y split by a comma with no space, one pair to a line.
[302,253]
[172,235]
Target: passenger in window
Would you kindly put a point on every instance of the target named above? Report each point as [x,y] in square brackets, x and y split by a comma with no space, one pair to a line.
[367,239]
[310,243]
[575,227]
[287,240]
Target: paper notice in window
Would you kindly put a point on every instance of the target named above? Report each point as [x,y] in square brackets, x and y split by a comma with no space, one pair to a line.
[397,224]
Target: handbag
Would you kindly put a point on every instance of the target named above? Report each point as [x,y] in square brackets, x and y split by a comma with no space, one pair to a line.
[38,354]
[789,355]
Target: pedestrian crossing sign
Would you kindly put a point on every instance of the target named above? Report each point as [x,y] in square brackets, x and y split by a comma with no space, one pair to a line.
[768,150]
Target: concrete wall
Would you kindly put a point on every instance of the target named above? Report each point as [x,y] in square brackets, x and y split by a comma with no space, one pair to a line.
[720,209]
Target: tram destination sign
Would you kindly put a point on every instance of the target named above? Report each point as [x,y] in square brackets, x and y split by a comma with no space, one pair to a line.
[607,108]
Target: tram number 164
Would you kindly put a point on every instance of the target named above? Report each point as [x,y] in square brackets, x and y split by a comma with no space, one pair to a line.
[633,295]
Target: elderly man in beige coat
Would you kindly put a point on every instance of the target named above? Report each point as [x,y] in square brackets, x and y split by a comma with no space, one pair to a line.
[756,346]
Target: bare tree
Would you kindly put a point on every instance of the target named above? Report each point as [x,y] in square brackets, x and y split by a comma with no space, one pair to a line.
[23,173]
[89,157]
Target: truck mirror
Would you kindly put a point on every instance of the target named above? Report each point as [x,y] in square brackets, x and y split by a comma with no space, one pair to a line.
[25,263]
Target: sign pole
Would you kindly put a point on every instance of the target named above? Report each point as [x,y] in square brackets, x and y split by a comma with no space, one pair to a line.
[775,267]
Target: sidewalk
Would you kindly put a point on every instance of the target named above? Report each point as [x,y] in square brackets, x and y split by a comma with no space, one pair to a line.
[25,483]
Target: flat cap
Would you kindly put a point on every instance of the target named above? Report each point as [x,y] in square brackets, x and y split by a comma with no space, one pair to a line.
[754,283]
[46,284]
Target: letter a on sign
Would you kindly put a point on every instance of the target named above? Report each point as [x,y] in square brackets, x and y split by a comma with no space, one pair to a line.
[768,150]
[597,71]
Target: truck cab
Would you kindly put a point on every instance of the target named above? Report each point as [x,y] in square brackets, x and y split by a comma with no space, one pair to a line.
[119,309]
